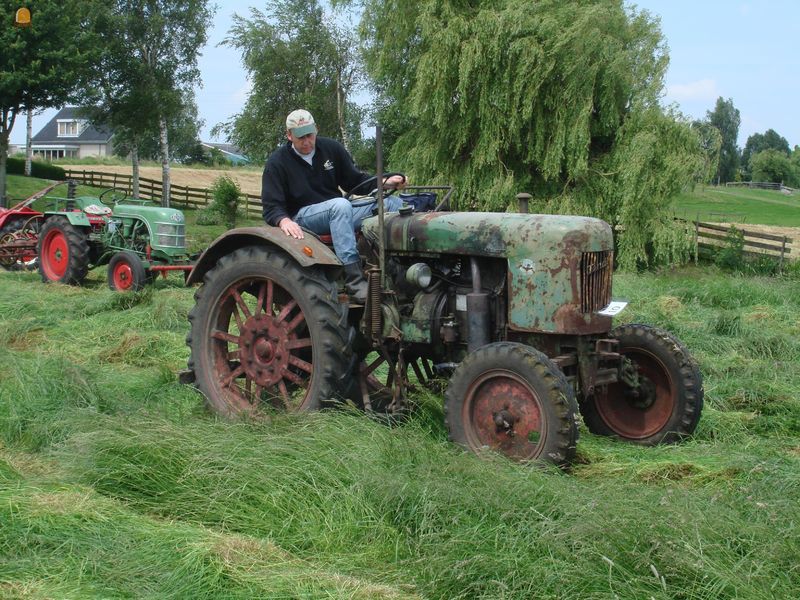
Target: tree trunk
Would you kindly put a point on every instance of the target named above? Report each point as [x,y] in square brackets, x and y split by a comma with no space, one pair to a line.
[162,126]
[28,142]
[135,172]
[340,100]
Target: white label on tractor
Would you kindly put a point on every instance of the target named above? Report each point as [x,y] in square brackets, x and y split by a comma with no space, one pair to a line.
[614,308]
[527,266]
[461,302]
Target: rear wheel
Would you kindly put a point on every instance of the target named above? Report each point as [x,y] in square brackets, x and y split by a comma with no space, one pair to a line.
[511,398]
[63,252]
[665,406]
[126,273]
[267,332]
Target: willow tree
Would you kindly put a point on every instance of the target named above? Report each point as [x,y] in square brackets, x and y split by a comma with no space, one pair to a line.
[559,98]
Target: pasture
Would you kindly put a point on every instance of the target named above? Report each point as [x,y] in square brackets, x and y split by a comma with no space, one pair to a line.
[115,481]
[739,205]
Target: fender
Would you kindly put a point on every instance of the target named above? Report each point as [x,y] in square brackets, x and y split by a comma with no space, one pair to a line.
[307,252]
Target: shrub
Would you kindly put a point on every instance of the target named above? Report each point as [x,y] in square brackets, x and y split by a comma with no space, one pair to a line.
[42,170]
[226,199]
[731,256]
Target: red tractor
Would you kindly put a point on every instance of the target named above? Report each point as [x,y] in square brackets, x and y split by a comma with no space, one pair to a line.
[19,233]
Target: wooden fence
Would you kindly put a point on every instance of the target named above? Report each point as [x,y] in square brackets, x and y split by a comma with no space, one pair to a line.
[151,189]
[762,185]
[713,236]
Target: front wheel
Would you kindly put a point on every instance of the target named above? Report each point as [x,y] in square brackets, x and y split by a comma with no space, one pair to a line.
[126,273]
[267,332]
[63,252]
[511,398]
[665,403]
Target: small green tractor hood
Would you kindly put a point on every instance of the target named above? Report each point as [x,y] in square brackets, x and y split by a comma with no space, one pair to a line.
[559,267]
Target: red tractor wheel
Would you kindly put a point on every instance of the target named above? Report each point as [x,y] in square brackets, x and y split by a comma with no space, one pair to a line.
[126,273]
[511,398]
[266,332]
[63,252]
[666,404]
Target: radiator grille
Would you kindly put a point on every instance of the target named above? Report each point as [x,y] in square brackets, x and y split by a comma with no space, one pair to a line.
[596,280]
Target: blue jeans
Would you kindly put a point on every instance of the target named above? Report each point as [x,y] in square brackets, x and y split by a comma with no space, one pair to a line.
[341,219]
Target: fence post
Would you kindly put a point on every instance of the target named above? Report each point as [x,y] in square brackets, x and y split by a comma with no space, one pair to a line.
[783,252]
[696,238]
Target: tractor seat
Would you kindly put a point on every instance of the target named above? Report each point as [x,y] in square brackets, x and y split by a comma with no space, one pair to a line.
[326,239]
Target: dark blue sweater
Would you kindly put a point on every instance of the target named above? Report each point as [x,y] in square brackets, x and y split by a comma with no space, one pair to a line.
[289,183]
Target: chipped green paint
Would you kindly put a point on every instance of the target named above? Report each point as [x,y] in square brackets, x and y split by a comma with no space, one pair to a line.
[543,254]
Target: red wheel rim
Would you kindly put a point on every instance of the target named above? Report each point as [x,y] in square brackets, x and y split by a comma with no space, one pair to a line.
[122,275]
[55,255]
[502,412]
[261,347]
[623,416]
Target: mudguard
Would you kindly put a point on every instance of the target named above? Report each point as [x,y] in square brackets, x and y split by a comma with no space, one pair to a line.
[307,252]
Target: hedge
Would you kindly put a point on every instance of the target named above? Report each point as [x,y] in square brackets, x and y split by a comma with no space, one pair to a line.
[16,166]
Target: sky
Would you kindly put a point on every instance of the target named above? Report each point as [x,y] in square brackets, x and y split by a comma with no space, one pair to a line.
[742,50]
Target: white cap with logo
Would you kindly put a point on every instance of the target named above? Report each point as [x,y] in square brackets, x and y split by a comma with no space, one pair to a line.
[300,123]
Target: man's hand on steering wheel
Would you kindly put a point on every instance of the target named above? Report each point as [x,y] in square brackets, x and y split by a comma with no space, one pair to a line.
[397,181]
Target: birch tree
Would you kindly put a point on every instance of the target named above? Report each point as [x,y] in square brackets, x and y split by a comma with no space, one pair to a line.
[296,56]
[150,65]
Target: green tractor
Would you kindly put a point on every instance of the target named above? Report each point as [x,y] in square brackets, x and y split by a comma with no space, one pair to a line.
[135,238]
[510,313]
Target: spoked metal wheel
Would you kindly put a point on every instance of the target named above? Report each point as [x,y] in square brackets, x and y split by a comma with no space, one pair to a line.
[268,333]
[512,399]
[385,379]
[666,400]
[16,232]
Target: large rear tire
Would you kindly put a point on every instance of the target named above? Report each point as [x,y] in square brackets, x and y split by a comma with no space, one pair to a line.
[63,252]
[267,332]
[667,405]
[511,398]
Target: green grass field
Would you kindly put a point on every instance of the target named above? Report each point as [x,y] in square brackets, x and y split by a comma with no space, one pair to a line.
[739,205]
[116,482]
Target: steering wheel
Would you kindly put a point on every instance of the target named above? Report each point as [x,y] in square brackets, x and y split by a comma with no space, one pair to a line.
[372,181]
[115,195]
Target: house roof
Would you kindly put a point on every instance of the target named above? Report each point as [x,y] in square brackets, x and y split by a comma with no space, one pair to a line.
[91,134]
[229,150]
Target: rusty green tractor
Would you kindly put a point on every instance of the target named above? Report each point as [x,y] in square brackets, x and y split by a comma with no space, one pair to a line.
[510,313]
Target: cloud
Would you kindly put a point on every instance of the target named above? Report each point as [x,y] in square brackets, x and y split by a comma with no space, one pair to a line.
[704,89]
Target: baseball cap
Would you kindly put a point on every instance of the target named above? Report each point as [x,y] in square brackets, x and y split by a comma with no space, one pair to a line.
[300,123]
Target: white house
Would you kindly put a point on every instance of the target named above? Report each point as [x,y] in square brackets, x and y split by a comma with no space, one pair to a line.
[68,135]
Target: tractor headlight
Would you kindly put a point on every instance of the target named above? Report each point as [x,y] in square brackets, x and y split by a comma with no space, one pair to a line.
[171,236]
[419,274]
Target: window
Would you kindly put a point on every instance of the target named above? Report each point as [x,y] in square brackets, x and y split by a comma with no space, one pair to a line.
[68,129]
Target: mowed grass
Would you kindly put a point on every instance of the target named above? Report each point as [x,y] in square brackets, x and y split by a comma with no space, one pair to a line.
[739,205]
[115,481]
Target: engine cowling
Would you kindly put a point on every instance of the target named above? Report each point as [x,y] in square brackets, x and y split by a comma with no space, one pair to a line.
[558,267]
